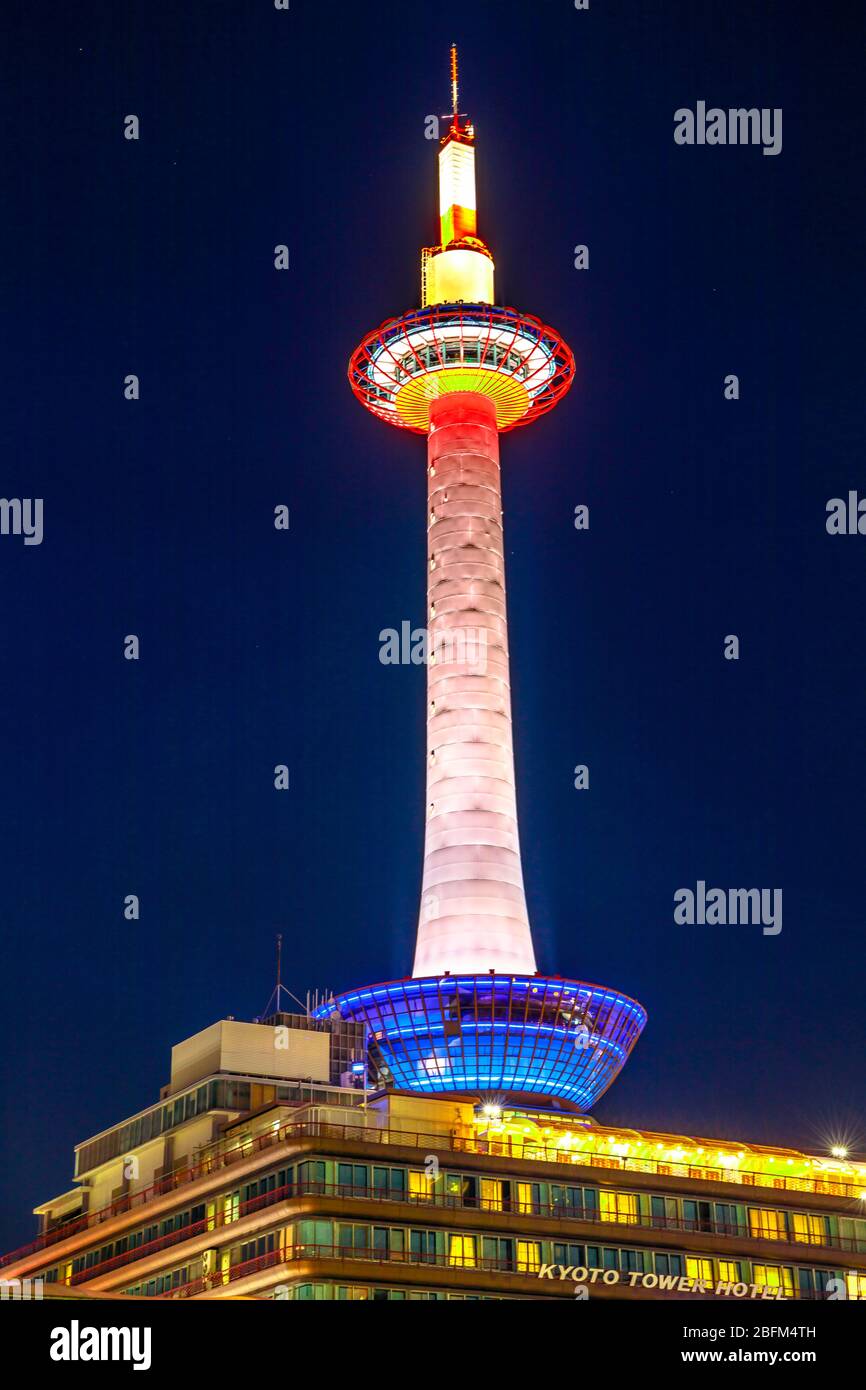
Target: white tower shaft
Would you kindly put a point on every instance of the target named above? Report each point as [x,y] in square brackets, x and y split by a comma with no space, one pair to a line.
[473,908]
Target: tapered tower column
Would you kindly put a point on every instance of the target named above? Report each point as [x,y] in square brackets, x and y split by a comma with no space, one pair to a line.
[475,1017]
[473,909]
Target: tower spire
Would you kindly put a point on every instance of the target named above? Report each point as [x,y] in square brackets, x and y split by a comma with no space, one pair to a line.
[455,108]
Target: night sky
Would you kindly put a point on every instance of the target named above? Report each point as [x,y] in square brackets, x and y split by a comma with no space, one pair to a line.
[259,647]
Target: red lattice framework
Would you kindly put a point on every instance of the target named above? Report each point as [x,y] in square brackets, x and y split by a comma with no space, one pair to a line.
[514,357]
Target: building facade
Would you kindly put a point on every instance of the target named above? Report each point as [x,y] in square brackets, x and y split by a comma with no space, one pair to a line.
[267,1186]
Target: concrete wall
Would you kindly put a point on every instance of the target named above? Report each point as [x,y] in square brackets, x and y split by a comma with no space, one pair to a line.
[250,1049]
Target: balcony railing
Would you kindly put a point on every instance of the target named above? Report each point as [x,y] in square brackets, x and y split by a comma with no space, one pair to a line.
[631,1221]
[294,1254]
[224,1158]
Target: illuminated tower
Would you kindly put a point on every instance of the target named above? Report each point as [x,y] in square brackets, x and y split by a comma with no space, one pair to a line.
[475,1016]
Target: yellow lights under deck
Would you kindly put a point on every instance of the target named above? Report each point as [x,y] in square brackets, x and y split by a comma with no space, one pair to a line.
[580,1140]
[412,402]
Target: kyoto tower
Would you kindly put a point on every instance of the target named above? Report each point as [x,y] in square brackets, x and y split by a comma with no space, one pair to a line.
[475,1015]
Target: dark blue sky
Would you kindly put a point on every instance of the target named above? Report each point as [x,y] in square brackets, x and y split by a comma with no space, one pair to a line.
[258,647]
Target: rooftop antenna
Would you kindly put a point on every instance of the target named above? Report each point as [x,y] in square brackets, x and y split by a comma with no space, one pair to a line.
[455,113]
[273,1004]
[454,96]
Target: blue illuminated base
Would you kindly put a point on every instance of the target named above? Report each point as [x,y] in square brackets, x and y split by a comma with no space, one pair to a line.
[516,1035]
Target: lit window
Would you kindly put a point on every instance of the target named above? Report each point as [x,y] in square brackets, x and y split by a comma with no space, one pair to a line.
[461,1251]
[491,1194]
[766,1224]
[420,1185]
[699,1269]
[855,1285]
[772,1277]
[618,1206]
[528,1256]
[809,1230]
[527,1196]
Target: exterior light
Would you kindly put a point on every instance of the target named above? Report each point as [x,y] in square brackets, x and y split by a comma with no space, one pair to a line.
[839,1151]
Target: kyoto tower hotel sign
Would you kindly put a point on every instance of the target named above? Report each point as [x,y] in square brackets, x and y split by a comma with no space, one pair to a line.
[475,1016]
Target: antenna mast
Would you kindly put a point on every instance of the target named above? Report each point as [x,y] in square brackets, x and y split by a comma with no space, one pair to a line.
[454,95]
[275,1000]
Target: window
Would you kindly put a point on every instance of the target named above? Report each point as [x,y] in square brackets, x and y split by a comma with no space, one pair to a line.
[669,1264]
[315,1233]
[618,1206]
[461,1251]
[567,1254]
[855,1285]
[461,1190]
[527,1197]
[498,1252]
[729,1221]
[730,1272]
[631,1260]
[772,1277]
[491,1194]
[423,1245]
[528,1255]
[354,1238]
[351,1176]
[805,1282]
[766,1224]
[311,1175]
[699,1269]
[664,1211]
[259,1188]
[253,1249]
[420,1185]
[808,1230]
[389,1182]
[697,1216]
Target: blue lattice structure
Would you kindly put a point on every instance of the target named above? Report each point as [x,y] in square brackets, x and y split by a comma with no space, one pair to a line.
[512,1035]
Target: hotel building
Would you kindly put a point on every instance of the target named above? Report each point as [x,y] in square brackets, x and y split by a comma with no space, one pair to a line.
[255,1176]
